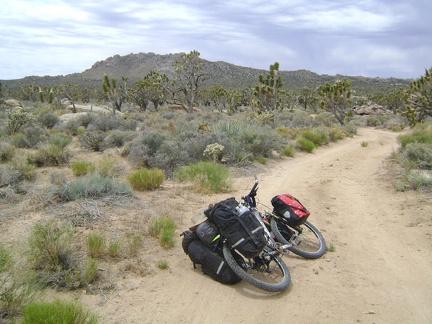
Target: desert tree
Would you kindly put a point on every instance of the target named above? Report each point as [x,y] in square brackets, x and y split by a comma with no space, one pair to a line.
[219,96]
[308,98]
[418,105]
[189,77]
[267,90]
[336,99]
[115,94]
[149,89]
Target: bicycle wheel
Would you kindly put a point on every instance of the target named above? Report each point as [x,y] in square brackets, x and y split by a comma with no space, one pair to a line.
[309,244]
[267,272]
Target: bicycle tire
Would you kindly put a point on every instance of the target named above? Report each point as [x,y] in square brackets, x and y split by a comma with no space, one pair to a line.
[277,277]
[311,242]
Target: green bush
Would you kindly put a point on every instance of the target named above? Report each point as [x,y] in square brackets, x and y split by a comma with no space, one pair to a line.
[51,155]
[206,176]
[305,144]
[417,136]
[288,150]
[49,120]
[6,261]
[57,311]
[420,154]
[93,186]
[80,168]
[50,245]
[163,228]
[7,151]
[93,140]
[108,167]
[146,179]
[60,140]
[317,136]
[96,243]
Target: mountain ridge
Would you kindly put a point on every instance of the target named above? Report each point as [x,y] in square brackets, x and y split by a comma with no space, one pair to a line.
[136,66]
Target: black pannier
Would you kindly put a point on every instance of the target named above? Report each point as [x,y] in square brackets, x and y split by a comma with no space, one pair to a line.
[212,263]
[241,229]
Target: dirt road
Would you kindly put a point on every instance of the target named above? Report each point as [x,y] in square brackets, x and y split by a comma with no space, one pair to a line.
[380,271]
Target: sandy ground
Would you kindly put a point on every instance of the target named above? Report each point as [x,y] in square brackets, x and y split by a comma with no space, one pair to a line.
[379,272]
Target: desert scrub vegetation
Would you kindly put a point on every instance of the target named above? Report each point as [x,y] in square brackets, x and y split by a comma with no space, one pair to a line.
[81,167]
[205,176]
[57,311]
[51,254]
[146,179]
[163,228]
[92,186]
[415,156]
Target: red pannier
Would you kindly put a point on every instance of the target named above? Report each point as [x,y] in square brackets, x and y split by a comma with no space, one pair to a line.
[289,207]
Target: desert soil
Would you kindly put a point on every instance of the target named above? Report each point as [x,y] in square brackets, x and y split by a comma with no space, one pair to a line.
[379,271]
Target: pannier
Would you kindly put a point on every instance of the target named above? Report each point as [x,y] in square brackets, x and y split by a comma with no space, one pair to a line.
[208,233]
[289,207]
[212,263]
[241,229]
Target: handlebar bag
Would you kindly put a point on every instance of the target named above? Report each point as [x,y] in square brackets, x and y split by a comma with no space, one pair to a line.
[290,208]
[244,232]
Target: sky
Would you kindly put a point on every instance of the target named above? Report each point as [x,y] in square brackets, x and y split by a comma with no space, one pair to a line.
[372,38]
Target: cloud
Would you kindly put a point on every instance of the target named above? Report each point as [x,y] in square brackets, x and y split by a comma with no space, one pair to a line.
[368,37]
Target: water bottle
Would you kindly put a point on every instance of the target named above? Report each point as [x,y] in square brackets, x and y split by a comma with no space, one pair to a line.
[241,209]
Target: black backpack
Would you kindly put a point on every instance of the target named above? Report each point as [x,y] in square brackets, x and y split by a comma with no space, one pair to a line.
[211,259]
[243,231]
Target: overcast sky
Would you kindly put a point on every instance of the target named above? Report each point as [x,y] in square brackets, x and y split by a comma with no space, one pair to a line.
[374,38]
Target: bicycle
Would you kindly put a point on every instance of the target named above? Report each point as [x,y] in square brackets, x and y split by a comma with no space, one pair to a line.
[304,240]
[266,271]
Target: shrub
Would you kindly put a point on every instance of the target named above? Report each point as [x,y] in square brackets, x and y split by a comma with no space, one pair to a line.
[305,144]
[51,155]
[108,167]
[7,152]
[162,264]
[96,243]
[17,289]
[364,144]
[92,186]
[206,175]
[420,154]
[163,228]
[93,140]
[114,248]
[146,179]
[80,168]
[417,136]
[288,150]
[60,140]
[144,147]
[49,120]
[57,311]
[50,245]
[6,261]
[418,179]
[134,243]
[317,136]
[118,138]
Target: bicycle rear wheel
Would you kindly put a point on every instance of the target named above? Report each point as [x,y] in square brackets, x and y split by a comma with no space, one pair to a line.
[309,244]
[267,272]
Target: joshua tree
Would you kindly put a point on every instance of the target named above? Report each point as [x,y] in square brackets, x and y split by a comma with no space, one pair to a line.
[114,94]
[336,99]
[419,102]
[267,90]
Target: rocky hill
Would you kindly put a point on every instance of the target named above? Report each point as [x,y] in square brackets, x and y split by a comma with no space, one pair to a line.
[135,66]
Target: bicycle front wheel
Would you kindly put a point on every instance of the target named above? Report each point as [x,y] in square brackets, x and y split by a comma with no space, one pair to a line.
[309,242]
[266,271]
